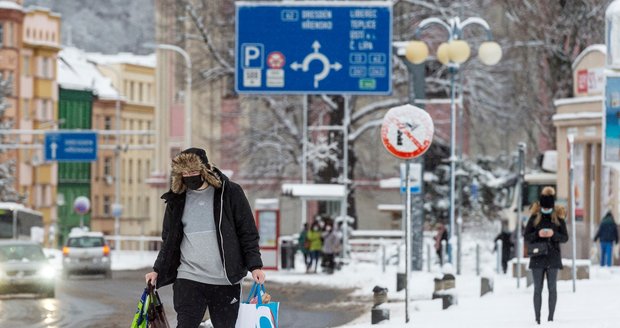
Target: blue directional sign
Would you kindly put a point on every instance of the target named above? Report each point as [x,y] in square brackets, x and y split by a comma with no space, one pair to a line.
[71,146]
[314,48]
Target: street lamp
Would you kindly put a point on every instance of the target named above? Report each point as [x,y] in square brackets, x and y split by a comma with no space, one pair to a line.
[453,53]
[188,86]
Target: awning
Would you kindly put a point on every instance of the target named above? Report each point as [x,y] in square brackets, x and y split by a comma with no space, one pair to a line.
[314,191]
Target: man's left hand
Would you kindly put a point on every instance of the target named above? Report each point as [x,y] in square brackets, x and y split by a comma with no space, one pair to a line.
[259,276]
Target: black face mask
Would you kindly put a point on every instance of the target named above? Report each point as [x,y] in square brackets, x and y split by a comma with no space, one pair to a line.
[194,182]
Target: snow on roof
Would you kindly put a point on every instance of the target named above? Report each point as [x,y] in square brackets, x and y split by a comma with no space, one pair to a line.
[77,73]
[314,191]
[595,47]
[267,203]
[10,5]
[576,100]
[576,116]
[123,58]
[390,207]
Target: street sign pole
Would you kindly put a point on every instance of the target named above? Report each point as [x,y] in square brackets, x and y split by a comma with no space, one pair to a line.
[571,148]
[407,240]
[407,132]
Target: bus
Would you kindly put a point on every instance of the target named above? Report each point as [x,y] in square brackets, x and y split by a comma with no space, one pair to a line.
[17,221]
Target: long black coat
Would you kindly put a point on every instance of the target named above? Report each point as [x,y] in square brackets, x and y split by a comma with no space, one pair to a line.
[553,260]
[237,235]
[507,245]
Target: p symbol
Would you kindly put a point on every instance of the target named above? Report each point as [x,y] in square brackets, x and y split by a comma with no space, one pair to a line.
[252,55]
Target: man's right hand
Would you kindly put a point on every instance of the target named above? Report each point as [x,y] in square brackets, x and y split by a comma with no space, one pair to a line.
[151,277]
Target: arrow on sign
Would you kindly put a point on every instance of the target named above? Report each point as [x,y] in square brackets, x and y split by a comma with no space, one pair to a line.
[54,147]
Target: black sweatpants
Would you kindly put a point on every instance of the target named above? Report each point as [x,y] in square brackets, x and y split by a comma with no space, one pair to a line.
[552,278]
[192,298]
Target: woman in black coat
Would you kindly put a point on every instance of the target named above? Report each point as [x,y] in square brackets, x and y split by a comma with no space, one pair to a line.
[546,229]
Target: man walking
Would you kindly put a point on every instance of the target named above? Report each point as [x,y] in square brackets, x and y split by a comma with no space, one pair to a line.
[210,242]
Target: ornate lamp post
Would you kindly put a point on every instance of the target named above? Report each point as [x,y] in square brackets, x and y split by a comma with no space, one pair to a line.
[453,53]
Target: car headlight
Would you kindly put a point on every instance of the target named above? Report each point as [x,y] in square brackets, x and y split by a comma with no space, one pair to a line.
[47,272]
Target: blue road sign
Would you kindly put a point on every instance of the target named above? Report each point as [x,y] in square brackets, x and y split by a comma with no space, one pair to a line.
[314,48]
[71,146]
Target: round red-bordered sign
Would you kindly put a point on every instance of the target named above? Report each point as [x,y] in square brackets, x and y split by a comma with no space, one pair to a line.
[407,131]
[275,60]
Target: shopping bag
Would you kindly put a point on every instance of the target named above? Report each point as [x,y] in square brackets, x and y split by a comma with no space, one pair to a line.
[258,315]
[150,313]
[140,318]
[155,314]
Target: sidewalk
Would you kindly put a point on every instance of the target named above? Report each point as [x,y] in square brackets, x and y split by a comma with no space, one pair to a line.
[594,305]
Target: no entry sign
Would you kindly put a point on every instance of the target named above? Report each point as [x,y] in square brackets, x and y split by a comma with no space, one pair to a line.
[407,131]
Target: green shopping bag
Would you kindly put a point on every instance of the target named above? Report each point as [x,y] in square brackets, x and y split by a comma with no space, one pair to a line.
[140,319]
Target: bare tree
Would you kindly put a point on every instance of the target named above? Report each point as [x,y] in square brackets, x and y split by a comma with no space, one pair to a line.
[7,166]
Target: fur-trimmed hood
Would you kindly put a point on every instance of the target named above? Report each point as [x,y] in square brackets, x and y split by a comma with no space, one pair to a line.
[193,159]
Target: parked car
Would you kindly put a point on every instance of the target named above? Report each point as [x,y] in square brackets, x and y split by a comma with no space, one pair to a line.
[86,253]
[24,268]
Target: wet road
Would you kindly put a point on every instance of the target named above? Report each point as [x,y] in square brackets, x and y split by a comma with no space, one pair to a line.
[107,303]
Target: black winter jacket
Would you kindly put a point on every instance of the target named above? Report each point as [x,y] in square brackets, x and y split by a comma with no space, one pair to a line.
[553,260]
[607,231]
[237,235]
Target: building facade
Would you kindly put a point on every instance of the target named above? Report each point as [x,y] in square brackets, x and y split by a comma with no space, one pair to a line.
[134,77]
[581,117]
[30,44]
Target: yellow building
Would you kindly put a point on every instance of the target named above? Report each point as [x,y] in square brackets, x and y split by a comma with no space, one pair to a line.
[39,107]
[134,77]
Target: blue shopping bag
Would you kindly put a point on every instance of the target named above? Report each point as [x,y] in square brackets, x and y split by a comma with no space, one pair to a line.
[259,315]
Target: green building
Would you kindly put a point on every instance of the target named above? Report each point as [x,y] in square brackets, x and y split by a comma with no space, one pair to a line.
[75,110]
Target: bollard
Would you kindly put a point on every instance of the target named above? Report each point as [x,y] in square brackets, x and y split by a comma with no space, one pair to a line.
[498,252]
[378,314]
[477,259]
[401,281]
[428,257]
[449,281]
[486,286]
[529,279]
[379,295]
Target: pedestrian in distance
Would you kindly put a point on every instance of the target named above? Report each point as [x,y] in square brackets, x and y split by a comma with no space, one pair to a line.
[442,234]
[608,235]
[331,247]
[507,246]
[545,230]
[315,245]
[210,242]
[303,244]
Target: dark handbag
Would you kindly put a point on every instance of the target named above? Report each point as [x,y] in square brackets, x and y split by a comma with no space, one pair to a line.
[155,314]
[538,249]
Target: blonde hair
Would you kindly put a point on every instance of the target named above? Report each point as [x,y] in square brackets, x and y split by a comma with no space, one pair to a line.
[559,212]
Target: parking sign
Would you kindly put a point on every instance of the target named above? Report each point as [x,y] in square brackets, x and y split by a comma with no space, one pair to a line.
[314,47]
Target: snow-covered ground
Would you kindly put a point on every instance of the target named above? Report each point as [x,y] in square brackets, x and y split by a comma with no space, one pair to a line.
[594,305]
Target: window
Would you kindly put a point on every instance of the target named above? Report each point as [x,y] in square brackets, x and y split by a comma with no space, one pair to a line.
[44,67]
[26,65]
[130,171]
[106,206]
[140,171]
[107,166]
[26,109]
[131,91]
[107,123]
[140,99]
[1,35]
[9,35]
